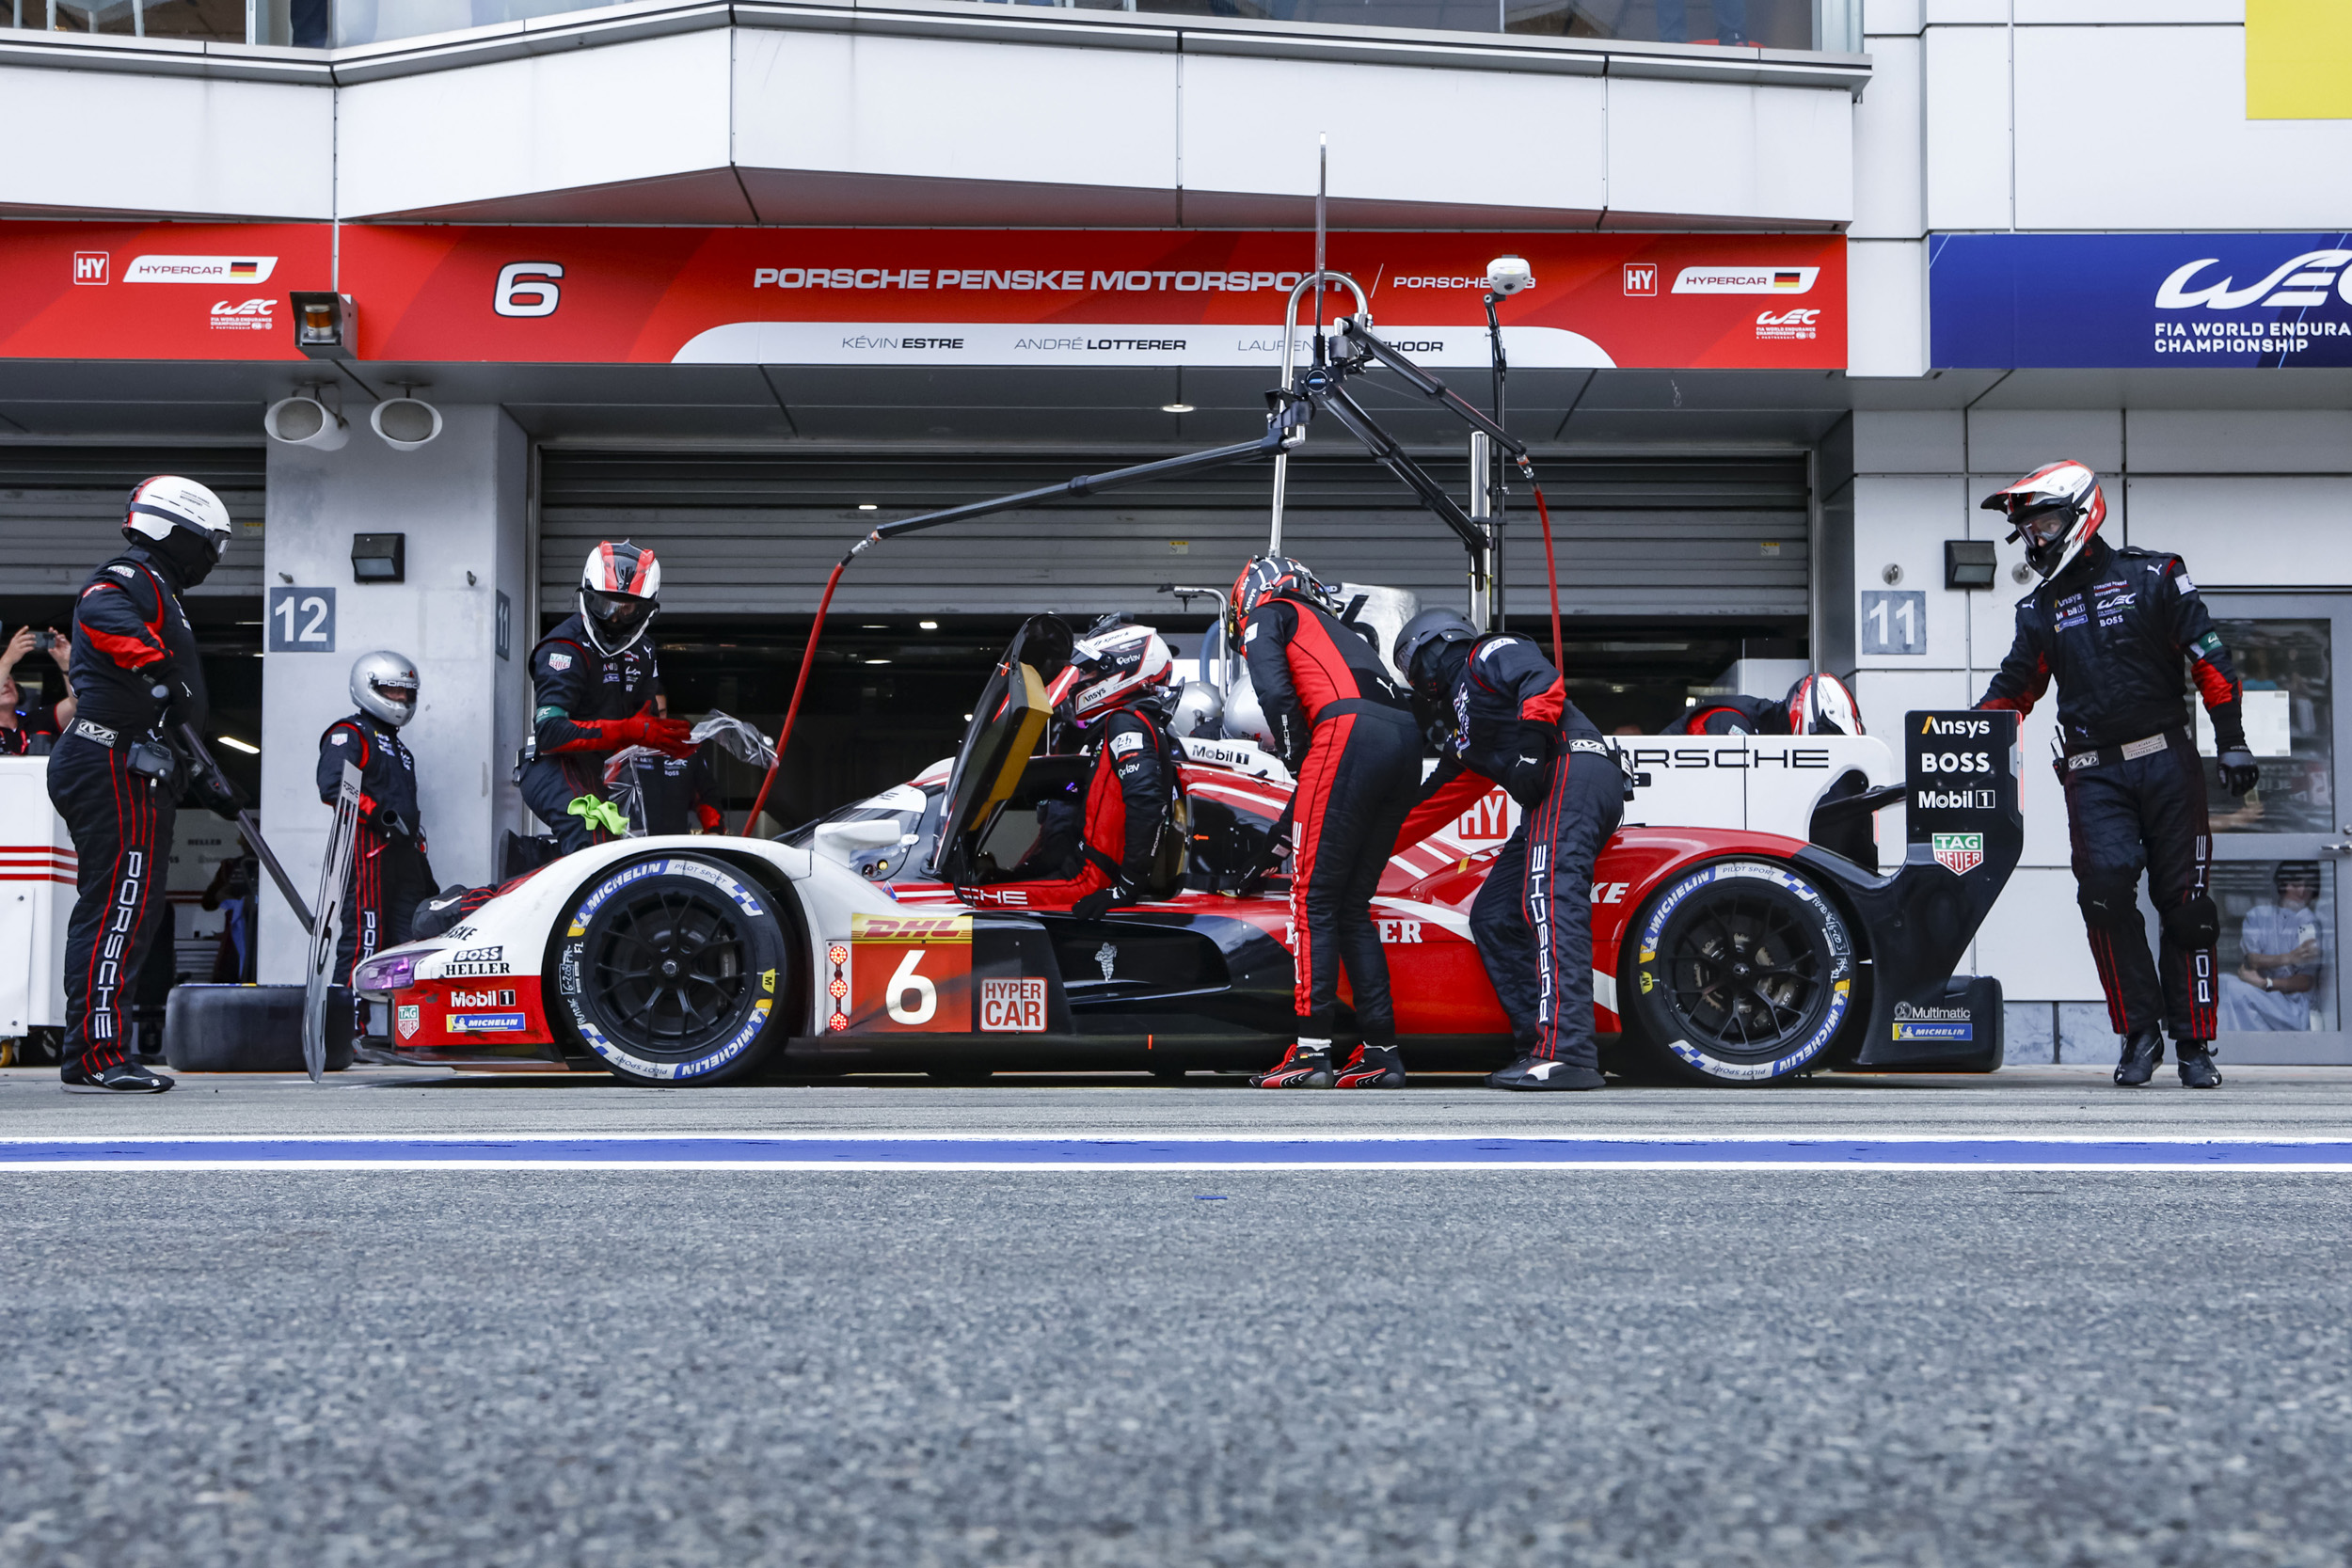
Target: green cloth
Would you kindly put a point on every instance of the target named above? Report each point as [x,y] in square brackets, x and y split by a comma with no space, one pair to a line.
[600,813]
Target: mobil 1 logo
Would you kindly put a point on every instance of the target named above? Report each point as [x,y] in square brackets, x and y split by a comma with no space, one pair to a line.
[1960,776]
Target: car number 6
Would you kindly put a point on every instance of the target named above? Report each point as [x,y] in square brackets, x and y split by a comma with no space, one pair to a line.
[905,980]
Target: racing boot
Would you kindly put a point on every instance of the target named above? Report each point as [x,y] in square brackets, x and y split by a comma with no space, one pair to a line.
[1304,1066]
[2197,1066]
[122,1078]
[2141,1052]
[1542,1073]
[1373,1067]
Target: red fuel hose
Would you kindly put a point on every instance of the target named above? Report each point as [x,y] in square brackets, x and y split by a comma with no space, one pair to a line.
[1552,574]
[808,662]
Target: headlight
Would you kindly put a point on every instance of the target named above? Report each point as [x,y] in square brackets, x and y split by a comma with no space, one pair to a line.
[394,972]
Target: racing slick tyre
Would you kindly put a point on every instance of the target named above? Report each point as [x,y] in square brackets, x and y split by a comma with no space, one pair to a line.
[1740,973]
[668,969]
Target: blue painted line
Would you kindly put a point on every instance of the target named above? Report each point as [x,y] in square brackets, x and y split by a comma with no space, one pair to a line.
[1093,1153]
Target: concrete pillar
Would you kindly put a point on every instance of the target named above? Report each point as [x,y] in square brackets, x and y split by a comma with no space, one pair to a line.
[463,503]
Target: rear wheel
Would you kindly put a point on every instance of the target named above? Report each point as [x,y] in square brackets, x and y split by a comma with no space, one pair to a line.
[671,970]
[1740,973]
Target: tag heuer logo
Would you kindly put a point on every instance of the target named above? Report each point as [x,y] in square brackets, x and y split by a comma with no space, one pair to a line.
[1960,853]
[409,1021]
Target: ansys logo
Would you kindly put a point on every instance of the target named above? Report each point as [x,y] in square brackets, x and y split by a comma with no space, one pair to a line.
[1960,853]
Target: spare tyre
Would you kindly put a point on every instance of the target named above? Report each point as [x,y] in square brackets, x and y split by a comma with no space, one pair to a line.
[212,1028]
[1740,971]
[671,969]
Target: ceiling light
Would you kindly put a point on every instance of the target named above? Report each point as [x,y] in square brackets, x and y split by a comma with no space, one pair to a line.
[1175,408]
[927,625]
[878,661]
[868,506]
[235,745]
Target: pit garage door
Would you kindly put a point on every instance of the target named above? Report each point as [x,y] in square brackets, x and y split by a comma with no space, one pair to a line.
[61,512]
[755,535]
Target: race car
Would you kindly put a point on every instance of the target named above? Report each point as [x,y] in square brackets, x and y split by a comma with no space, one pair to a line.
[1732,944]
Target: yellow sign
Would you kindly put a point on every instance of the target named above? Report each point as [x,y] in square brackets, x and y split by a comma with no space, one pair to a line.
[2299,59]
[911,927]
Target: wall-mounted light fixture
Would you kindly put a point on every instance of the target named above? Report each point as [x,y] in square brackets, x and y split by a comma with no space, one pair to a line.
[303,420]
[326,325]
[1969,564]
[406,423]
[379,558]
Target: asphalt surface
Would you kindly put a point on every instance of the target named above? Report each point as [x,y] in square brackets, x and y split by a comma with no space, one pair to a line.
[1238,1368]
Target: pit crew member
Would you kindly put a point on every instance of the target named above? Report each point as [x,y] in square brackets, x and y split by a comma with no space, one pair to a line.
[1347,733]
[2112,627]
[113,776]
[1507,720]
[595,686]
[390,872]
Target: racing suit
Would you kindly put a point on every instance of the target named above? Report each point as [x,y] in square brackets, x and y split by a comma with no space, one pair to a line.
[677,795]
[1513,725]
[585,706]
[2113,629]
[1127,795]
[390,873]
[1348,733]
[130,633]
[1733,716]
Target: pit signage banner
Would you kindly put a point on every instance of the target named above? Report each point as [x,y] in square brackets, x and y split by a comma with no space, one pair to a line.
[1961,774]
[885,296]
[2127,301]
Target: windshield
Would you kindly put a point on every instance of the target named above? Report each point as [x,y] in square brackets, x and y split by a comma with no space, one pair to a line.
[914,807]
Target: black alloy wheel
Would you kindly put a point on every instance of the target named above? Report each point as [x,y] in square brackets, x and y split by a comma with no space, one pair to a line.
[1739,973]
[675,976]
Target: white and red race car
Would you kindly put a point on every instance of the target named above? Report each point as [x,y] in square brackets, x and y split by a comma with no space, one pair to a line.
[1729,947]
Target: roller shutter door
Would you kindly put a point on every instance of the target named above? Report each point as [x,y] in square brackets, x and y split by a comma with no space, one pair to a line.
[756,534]
[61,509]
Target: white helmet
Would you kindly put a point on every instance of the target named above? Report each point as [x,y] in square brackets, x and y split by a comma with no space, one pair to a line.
[620,589]
[1823,705]
[182,521]
[1110,667]
[384,683]
[2056,509]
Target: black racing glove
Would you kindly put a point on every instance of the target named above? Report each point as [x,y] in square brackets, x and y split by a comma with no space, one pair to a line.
[2239,774]
[1093,905]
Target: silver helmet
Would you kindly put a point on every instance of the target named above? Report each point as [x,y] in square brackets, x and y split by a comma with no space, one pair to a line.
[1200,712]
[384,683]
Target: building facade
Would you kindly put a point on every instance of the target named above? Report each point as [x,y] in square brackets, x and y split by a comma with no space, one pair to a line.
[735,280]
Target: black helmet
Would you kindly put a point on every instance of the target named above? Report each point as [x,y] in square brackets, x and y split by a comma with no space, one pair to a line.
[1438,627]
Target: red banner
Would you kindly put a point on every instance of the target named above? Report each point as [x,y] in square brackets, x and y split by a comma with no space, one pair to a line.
[863,296]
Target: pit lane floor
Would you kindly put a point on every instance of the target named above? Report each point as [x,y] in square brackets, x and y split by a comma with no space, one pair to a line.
[1296,1367]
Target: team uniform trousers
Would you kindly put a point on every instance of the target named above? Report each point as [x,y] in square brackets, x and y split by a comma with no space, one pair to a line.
[120,822]
[2147,814]
[1354,788]
[387,879]
[1533,920]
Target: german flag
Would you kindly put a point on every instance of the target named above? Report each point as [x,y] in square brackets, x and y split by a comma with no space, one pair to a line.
[1787,280]
[243,271]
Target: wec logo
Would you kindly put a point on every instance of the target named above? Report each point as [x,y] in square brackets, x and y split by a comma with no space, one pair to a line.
[1788,318]
[253,315]
[2303,281]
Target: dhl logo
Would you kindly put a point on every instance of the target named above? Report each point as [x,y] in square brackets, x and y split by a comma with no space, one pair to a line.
[910,927]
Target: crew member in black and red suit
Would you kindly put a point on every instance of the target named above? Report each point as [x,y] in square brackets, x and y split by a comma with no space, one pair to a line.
[1508,721]
[390,872]
[1348,732]
[112,775]
[596,689]
[2113,627]
[1115,689]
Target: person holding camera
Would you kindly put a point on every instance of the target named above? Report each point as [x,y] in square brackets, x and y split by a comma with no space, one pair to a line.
[390,873]
[113,776]
[25,723]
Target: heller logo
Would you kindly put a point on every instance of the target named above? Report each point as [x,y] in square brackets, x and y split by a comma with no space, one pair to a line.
[1960,853]
[1012,1006]
[1641,277]
[89,266]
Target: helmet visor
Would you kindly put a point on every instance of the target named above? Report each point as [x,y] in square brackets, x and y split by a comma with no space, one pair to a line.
[617,614]
[397,696]
[2044,523]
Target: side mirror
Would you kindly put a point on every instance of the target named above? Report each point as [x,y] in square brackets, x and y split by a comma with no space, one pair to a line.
[842,840]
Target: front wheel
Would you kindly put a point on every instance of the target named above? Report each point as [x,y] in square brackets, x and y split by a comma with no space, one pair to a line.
[668,969]
[1740,973]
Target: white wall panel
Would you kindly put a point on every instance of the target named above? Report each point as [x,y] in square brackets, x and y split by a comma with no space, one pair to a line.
[168,144]
[2252,532]
[2014,442]
[1886,295]
[953,109]
[2125,13]
[1890,145]
[1966,13]
[1924,441]
[1698,148]
[1881,18]
[1544,137]
[2146,128]
[1967,128]
[1902,520]
[2034,941]
[2243,441]
[592,116]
